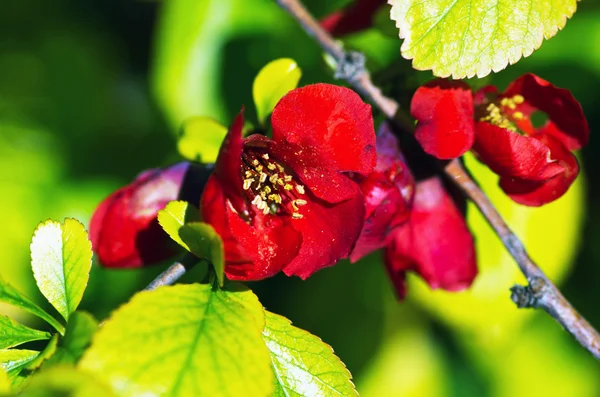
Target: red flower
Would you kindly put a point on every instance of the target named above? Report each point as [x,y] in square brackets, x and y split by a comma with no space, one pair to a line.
[124,229]
[421,229]
[388,192]
[354,18]
[435,242]
[533,159]
[288,203]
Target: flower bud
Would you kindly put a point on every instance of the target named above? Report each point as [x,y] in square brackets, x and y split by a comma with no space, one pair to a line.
[124,229]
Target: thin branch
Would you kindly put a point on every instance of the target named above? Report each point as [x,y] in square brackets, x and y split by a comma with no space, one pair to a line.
[540,293]
[173,272]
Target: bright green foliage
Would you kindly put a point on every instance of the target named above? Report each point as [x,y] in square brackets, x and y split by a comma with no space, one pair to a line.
[44,355]
[61,258]
[80,329]
[10,295]
[273,81]
[303,364]
[464,38]
[178,220]
[13,333]
[13,360]
[184,340]
[174,216]
[4,383]
[201,139]
[202,240]
[65,381]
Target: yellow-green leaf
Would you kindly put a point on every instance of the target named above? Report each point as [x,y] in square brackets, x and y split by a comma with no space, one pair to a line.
[65,381]
[61,258]
[303,364]
[12,296]
[174,216]
[13,333]
[184,340]
[272,82]
[13,360]
[466,38]
[201,139]
[202,240]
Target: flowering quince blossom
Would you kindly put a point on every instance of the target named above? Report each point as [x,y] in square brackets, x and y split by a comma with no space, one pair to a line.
[354,18]
[124,229]
[288,203]
[534,161]
[419,225]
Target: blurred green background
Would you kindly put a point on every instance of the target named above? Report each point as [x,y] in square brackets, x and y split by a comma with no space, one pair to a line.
[92,92]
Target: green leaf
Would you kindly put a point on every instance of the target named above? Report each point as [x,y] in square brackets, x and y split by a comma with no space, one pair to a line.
[13,333]
[65,381]
[272,82]
[201,139]
[303,364]
[178,219]
[174,216]
[61,258]
[14,360]
[4,383]
[464,38]
[184,340]
[12,296]
[78,336]
[44,355]
[204,242]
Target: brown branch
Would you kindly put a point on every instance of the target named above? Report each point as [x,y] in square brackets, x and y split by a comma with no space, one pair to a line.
[540,293]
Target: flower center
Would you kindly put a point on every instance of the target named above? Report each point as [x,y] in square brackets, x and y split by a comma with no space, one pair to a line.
[503,114]
[269,188]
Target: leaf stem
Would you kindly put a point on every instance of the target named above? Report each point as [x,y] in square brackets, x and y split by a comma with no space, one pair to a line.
[541,292]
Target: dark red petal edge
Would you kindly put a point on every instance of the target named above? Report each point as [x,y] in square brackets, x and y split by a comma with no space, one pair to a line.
[562,108]
[509,154]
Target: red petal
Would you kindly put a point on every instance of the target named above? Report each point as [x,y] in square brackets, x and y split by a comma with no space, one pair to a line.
[384,204]
[571,127]
[435,242]
[331,121]
[356,17]
[252,251]
[329,232]
[215,211]
[229,161]
[317,173]
[509,154]
[537,193]
[444,111]
[124,230]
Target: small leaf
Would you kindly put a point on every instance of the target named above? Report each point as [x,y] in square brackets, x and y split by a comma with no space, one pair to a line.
[184,340]
[303,364]
[61,258]
[44,355]
[65,381]
[78,336]
[204,242]
[13,333]
[272,82]
[12,296]
[464,38]
[13,360]
[174,216]
[201,139]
